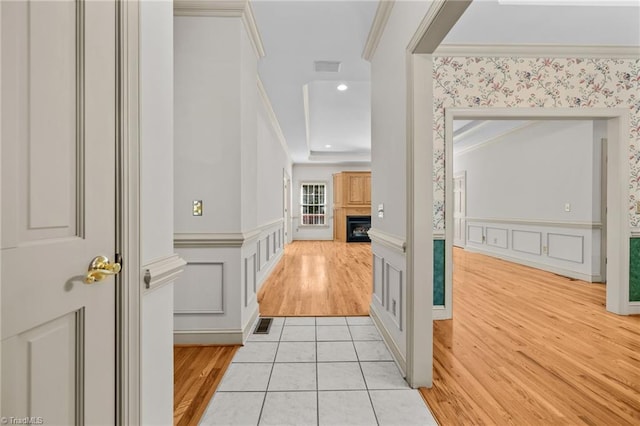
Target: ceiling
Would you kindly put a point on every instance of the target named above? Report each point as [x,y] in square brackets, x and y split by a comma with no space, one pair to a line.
[324,125]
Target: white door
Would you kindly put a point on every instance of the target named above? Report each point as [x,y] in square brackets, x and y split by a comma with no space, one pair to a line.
[460,209]
[58,210]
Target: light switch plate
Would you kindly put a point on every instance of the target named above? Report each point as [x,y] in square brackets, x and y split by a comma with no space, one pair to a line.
[197,207]
[567,207]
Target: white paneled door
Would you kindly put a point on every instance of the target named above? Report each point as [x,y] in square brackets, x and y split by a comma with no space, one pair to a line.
[58,210]
[460,209]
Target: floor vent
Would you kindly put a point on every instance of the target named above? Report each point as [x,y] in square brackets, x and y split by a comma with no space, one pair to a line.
[264,324]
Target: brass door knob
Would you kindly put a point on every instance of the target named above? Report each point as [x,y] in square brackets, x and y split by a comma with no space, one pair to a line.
[99,268]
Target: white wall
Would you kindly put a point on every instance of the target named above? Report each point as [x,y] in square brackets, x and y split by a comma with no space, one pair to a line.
[518,186]
[312,173]
[156,176]
[227,154]
[272,163]
[207,123]
[388,166]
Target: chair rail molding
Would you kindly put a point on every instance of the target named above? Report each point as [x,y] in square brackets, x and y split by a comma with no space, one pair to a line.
[538,222]
[162,271]
[221,239]
[391,241]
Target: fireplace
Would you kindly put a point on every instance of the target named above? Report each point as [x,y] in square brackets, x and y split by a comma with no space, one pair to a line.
[358,228]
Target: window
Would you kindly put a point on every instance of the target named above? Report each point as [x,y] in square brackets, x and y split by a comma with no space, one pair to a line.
[313,203]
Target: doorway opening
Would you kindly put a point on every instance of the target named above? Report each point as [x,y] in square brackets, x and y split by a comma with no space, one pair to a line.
[584,236]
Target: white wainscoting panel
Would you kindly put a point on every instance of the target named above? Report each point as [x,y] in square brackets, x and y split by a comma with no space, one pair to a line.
[475,234]
[566,247]
[249,279]
[378,279]
[201,289]
[395,294]
[497,237]
[527,241]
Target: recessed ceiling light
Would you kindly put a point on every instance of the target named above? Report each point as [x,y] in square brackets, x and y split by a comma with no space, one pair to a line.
[342,87]
[327,146]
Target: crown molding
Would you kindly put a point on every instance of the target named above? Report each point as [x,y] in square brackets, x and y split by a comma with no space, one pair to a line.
[440,18]
[224,9]
[377,28]
[274,119]
[539,50]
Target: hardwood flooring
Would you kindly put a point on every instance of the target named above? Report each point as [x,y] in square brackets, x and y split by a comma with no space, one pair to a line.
[528,347]
[319,278]
[197,373]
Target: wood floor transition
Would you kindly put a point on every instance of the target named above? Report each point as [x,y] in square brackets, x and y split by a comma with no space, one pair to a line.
[197,373]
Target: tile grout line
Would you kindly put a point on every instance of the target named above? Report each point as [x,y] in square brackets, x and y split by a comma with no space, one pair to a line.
[366,385]
[315,329]
[273,363]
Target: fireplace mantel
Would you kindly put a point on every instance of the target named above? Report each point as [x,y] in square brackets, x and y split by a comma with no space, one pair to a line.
[351,197]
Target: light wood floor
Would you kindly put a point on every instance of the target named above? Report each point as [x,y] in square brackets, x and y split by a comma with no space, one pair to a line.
[197,373]
[527,347]
[319,278]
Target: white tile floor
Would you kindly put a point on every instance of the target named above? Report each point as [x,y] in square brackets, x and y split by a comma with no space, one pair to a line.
[316,371]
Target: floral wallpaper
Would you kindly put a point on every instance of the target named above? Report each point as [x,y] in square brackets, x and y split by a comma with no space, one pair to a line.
[535,82]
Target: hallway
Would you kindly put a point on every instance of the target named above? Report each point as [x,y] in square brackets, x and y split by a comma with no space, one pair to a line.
[319,278]
[316,371]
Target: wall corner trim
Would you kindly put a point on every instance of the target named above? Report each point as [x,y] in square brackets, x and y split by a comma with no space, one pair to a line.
[224,9]
[539,50]
[163,271]
[377,28]
[274,119]
[393,242]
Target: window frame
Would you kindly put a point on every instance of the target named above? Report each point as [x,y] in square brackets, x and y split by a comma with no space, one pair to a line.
[322,206]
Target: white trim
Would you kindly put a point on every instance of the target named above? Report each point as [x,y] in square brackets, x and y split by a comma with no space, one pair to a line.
[163,271]
[377,28]
[129,351]
[539,51]
[538,222]
[533,264]
[273,118]
[438,234]
[440,18]
[419,257]
[400,361]
[617,188]
[635,232]
[634,308]
[231,336]
[224,9]
[440,313]
[249,325]
[220,239]
[493,139]
[391,241]
[208,240]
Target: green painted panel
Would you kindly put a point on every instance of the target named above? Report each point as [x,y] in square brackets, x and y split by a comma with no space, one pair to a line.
[438,272]
[634,270]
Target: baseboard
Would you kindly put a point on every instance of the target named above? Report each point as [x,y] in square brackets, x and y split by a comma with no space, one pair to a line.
[542,266]
[400,360]
[440,313]
[208,337]
[634,308]
[249,325]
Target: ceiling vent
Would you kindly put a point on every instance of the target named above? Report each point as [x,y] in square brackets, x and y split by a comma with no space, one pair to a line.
[327,66]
